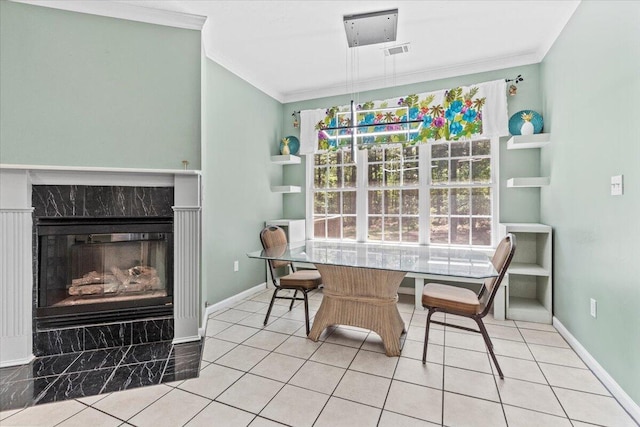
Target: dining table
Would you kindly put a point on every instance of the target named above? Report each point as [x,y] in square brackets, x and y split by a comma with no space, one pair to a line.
[361,280]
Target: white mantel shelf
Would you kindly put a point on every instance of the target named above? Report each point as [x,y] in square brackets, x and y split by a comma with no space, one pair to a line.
[91,175]
[54,168]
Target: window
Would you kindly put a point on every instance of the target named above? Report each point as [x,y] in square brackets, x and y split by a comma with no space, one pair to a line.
[460,193]
[334,195]
[392,194]
[443,192]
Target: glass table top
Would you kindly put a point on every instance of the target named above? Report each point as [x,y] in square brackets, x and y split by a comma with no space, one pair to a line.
[436,260]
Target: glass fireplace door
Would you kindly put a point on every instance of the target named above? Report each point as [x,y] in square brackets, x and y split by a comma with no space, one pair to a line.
[103,266]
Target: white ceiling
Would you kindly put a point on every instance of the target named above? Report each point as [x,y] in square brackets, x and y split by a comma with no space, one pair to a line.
[295,50]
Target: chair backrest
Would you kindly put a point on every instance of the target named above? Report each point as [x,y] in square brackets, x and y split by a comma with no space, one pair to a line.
[270,237]
[500,260]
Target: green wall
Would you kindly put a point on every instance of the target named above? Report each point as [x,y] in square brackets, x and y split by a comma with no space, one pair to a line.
[85,90]
[516,204]
[241,131]
[591,82]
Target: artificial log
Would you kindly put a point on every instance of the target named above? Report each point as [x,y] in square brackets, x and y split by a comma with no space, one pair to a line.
[87,279]
[135,279]
[104,288]
[120,275]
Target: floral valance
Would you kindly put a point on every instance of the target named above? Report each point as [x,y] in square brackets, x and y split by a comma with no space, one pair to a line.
[457,113]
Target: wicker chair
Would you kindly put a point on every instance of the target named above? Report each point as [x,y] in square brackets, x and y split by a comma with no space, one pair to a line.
[464,302]
[301,280]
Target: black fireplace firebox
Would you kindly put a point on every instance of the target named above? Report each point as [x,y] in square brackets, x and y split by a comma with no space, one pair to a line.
[97,270]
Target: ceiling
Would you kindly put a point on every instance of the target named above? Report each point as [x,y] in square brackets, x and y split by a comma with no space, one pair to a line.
[296,50]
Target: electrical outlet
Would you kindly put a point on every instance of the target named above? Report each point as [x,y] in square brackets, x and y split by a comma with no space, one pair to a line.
[236,266]
[594,308]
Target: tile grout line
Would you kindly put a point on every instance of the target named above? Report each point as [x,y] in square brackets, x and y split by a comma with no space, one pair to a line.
[495,380]
[396,368]
[341,378]
[547,380]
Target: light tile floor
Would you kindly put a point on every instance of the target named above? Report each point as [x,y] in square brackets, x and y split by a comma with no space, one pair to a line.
[271,376]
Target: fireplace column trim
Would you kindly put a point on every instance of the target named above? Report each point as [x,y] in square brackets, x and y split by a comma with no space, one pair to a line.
[186,254]
[186,258]
[16,269]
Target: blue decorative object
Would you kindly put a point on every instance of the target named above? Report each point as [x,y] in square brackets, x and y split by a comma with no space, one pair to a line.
[525,122]
[294,145]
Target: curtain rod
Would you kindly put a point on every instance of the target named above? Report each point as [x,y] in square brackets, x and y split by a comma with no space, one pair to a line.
[516,80]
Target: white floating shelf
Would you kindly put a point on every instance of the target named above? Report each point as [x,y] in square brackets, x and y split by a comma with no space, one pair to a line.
[541,181]
[285,189]
[526,227]
[519,142]
[528,310]
[289,159]
[527,269]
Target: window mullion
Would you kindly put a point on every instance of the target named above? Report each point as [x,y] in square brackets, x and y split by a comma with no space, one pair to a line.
[310,196]
[361,196]
[424,201]
[495,188]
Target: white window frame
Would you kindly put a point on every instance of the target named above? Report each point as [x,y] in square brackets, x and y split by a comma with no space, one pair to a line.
[425,185]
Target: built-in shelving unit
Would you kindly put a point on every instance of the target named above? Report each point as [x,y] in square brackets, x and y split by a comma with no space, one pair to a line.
[527,291]
[288,159]
[528,285]
[521,142]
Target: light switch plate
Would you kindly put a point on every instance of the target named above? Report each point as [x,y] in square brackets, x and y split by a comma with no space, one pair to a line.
[616,185]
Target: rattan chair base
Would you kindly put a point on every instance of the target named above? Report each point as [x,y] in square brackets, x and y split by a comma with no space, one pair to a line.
[361,297]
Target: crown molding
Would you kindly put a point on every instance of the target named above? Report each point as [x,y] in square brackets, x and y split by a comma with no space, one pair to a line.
[553,35]
[126,11]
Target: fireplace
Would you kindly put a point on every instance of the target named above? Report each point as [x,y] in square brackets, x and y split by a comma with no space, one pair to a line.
[153,213]
[96,270]
[103,266]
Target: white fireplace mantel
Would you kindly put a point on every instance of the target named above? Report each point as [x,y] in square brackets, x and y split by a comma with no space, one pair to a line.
[16,276]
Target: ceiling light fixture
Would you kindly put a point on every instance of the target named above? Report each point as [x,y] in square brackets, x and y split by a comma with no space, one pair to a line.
[366,29]
[371,28]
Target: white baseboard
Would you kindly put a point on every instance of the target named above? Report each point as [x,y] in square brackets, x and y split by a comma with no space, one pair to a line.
[229,302]
[406,290]
[17,362]
[188,339]
[621,396]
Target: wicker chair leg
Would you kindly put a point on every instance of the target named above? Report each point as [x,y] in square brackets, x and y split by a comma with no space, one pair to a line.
[273,299]
[293,299]
[489,345]
[306,311]
[426,336]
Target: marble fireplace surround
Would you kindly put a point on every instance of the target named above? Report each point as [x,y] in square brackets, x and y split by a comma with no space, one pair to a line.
[16,269]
